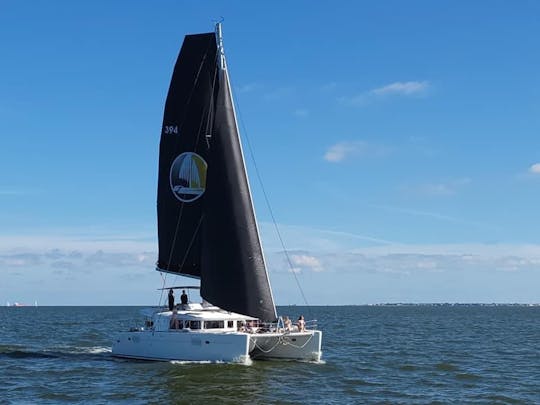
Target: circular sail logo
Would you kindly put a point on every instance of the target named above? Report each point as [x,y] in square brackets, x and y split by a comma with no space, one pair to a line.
[188,176]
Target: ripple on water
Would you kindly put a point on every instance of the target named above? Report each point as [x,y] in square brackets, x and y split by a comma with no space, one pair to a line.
[356,382]
[408,367]
[446,367]
[503,399]
[468,376]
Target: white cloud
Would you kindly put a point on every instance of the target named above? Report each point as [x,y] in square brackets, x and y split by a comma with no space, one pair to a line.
[304,261]
[300,239]
[415,273]
[279,93]
[435,215]
[535,168]
[339,151]
[401,88]
[447,188]
[248,88]
[76,252]
[39,267]
[75,260]
[407,89]
[296,270]
[348,149]
[451,259]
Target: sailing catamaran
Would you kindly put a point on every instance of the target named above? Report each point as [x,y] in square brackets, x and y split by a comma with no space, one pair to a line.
[207,230]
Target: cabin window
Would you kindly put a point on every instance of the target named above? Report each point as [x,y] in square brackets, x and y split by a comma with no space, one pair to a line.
[214,324]
[194,324]
[230,324]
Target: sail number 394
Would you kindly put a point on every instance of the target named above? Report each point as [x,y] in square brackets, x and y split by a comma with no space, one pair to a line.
[171,129]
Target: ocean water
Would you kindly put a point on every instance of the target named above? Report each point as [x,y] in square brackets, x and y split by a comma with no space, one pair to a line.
[372,354]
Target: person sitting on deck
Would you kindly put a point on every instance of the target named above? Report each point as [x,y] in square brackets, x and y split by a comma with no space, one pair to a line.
[251,327]
[184,298]
[174,322]
[301,324]
[287,324]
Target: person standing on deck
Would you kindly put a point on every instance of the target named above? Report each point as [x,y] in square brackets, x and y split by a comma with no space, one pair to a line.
[171,299]
[184,298]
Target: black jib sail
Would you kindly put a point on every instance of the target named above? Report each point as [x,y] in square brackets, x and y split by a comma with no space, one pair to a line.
[206,223]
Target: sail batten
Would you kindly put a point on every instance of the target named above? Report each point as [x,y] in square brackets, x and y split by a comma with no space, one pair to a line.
[206,221]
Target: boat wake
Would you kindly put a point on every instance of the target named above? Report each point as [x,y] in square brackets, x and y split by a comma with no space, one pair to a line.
[22,352]
[293,360]
[17,353]
[195,362]
[90,350]
[246,362]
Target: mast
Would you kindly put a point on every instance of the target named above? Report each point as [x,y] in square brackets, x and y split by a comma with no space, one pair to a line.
[219,37]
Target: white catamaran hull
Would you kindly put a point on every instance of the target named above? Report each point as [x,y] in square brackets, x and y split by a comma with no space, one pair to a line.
[216,347]
[182,345]
[291,346]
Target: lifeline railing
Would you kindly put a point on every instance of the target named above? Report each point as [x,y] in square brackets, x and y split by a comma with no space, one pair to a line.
[280,325]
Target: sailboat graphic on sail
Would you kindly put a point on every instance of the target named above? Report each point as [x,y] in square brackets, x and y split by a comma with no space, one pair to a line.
[188,176]
[207,230]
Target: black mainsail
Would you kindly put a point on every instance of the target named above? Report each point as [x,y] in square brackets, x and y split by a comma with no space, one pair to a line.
[185,124]
[206,222]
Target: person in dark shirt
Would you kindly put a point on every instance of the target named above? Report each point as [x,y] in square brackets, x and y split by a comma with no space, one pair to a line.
[184,298]
[171,299]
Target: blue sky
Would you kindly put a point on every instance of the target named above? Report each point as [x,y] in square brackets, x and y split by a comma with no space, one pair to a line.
[399,145]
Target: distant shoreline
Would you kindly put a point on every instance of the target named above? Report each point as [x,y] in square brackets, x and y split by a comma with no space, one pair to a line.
[400,304]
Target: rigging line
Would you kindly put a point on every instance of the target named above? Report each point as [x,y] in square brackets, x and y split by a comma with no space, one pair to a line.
[268,202]
[210,112]
[175,236]
[162,287]
[172,247]
[191,241]
[188,102]
[212,109]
